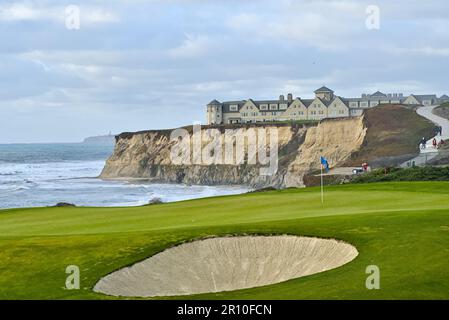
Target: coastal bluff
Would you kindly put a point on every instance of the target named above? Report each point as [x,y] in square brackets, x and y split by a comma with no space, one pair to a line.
[385,135]
[147,155]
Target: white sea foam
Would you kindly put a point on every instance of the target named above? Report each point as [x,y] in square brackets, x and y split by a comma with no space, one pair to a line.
[47,183]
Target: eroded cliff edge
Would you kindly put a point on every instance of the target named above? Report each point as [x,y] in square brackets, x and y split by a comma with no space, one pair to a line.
[383,136]
[147,155]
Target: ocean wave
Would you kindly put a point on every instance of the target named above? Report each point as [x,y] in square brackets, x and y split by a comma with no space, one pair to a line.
[12,173]
[13,188]
[41,184]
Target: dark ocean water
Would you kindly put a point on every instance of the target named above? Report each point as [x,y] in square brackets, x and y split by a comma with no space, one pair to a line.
[44,174]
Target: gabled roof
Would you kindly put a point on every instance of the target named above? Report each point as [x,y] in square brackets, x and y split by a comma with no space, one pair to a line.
[307,102]
[325,102]
[344,100]
[378,94]
[412,95]
[213,102]
[297,99]
[252,101]
[323,89]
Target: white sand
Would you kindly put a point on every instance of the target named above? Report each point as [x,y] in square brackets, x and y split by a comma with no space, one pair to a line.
[225,264]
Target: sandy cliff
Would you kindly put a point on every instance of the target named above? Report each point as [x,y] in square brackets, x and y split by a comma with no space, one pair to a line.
[147,154]
[336,140]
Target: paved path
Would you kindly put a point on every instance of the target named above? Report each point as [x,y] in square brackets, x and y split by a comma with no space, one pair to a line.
[426,112]
[344,171]
[430,152]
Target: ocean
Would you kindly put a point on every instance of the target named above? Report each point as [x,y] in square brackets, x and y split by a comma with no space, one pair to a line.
[37,175]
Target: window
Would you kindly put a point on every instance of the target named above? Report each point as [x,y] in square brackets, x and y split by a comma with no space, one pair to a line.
[264,107]
[233,107]
[273,106]
[283,106]
[273,113]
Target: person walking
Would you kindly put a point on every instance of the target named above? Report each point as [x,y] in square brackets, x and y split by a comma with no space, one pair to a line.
[434,143]
[423,143]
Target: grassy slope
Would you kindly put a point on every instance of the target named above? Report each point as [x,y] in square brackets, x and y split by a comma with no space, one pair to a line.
[393,130]
[442,111]
[401,227]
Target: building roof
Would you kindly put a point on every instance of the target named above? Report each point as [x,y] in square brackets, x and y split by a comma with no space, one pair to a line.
[307,102]
[327,103]
[213,102]
[425,96]
[227,105]
[378,94]
[323,89]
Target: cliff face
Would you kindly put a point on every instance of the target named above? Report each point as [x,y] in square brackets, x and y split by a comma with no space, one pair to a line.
[149,155]
[336,140]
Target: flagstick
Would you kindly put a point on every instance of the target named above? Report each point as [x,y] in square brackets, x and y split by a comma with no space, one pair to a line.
[322,194]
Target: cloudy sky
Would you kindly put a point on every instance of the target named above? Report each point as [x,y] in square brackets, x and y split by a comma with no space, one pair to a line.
[136,64]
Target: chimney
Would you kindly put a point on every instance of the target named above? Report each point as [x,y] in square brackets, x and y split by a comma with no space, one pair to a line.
[281,97]
[289,97]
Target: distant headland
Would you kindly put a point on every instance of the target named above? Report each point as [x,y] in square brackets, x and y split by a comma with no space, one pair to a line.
[108,139]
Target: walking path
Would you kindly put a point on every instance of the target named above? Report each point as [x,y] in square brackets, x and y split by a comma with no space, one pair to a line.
[429,151]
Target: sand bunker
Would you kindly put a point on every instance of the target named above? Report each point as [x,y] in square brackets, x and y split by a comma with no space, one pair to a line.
[225,264]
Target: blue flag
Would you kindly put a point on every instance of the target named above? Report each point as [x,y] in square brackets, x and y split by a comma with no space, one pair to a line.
[324,162]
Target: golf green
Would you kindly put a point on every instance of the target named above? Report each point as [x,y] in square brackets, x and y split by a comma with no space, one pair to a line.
[403,228]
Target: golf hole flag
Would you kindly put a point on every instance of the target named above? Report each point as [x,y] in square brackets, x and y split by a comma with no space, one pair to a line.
[324,163]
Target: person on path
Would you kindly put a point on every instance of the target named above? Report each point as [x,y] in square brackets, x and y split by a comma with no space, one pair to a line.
[434,143]
[423,143]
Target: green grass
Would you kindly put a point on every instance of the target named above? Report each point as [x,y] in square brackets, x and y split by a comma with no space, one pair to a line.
[426,173]
[442,110]
[401,227]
